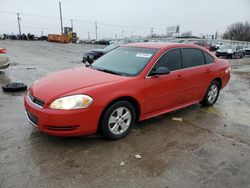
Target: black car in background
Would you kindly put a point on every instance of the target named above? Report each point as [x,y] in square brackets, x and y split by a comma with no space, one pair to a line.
[94,54]
[247,51]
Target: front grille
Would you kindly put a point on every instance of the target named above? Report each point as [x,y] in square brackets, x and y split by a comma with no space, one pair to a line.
[35,100]
[62,128]
[32,118]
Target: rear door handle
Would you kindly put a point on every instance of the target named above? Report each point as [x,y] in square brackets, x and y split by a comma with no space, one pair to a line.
[179,77]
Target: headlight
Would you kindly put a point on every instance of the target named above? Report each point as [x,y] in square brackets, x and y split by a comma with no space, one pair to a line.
[71,102]
[229,51]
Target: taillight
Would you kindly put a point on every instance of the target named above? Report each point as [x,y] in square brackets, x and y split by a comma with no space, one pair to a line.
[228,70]
[3,51]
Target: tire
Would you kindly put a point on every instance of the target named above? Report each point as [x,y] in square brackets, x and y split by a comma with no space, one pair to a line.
[14,87]
[114,124]
[212,94]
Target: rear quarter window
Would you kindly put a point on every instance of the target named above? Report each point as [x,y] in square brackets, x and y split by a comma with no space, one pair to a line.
[209,58]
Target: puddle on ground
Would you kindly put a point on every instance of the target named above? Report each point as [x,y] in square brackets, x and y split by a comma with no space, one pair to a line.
[14,64]
[4,79]
[75,62]
[213,110]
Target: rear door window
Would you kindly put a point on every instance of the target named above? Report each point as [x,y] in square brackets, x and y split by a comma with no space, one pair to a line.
[171,59]
[192,57]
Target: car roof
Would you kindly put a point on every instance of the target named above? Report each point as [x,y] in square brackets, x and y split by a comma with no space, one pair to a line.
[161,45]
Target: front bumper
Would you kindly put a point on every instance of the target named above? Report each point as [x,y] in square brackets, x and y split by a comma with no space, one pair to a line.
[63,122]
[4,65]
[223,54]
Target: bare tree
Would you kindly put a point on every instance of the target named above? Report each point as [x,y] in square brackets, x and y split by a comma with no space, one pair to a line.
[238,31]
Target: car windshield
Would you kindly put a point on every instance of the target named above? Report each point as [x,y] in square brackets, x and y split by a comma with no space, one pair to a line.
[128,61]
[226,47]
[110,47]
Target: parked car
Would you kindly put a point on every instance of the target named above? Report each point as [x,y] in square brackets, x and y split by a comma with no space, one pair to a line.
[230,51]
[247,51]
[4,59]
[94,54]
[203,44]
[129,84]
[216,46]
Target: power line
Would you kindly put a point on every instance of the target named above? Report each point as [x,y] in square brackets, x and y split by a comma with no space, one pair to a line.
[80,20]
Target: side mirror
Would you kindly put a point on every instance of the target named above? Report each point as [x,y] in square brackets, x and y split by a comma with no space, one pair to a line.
[160,71]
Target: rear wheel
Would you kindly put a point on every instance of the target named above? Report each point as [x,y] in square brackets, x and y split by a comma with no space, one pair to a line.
[212,94]
[118,120]
[242,55]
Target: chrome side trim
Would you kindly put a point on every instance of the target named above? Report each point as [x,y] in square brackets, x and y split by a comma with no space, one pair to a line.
[35,125]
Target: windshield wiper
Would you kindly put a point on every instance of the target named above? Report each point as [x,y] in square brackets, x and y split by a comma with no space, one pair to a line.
[110,71]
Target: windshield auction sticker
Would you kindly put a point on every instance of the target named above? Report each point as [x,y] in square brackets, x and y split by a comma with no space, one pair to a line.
[143,55]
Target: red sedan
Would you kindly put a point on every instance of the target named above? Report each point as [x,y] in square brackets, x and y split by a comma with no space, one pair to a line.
[131,83]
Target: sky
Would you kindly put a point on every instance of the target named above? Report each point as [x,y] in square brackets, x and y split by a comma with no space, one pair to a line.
[116,18]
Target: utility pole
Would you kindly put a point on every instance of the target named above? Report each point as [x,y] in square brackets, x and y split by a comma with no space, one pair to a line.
[60,8]
[72,24]
[19,26]
[96,30]
[151,31]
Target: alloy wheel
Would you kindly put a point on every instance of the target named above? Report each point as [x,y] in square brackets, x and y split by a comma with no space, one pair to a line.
[119,120]
[213,93]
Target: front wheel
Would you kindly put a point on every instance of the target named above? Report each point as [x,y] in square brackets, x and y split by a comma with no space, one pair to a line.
[212,94]
[118,120]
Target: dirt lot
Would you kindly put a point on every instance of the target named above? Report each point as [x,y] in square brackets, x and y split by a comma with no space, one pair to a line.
[209,148]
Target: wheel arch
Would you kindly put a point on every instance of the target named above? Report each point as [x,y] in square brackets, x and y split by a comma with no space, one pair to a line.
[218,79]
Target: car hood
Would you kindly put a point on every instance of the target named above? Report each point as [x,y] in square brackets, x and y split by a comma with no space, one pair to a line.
[61,83]
[224,50]
[95,50]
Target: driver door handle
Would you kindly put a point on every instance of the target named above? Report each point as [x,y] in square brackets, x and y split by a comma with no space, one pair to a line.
[179,77]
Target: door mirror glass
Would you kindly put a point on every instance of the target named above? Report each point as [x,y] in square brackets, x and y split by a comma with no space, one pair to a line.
[160,71]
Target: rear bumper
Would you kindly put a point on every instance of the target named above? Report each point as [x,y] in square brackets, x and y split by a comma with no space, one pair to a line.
[63,122]
[247,52]
[225,79]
